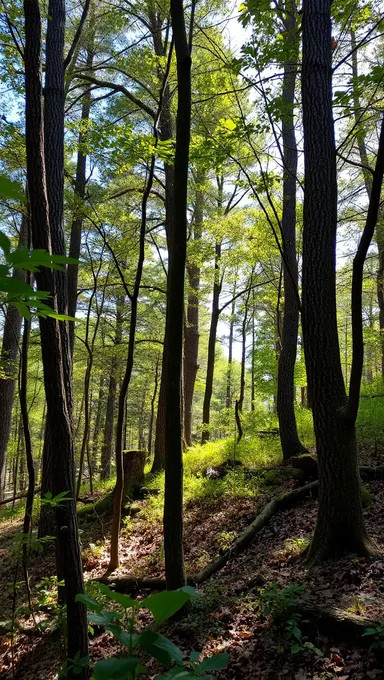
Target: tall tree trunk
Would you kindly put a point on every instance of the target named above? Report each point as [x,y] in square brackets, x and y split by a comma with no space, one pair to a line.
[340,524]
[97,423]
[134,299]
[8,363]
[228,395]
[54,362]
[361,143]
[289,437]
[79,196]
[173,349]
[212,346]
[191,329]
[253,353]
[166,133]
[106,451]
[159,457]
[152,414]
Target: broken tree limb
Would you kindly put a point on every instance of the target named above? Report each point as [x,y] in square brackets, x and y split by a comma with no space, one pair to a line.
[18,498]
[282,502]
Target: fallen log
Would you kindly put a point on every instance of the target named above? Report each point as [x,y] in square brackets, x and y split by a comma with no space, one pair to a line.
[18,498]
[370,474]
[286,500]
[129,584]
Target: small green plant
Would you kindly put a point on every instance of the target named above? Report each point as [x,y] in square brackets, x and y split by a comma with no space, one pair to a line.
[225,539]
[278,601]
[295,546]
[376,632]
[120,621]
[278,604]
[55,501]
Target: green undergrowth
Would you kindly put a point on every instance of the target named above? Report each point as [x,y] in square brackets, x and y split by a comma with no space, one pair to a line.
[255,454]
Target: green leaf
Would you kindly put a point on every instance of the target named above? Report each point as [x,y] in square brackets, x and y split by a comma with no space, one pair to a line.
[295,649]
[213,663]
[194,656]
[164,605]
[369,631]
[89,602]
[175,673]
[121,635]
[160,648]
[10,189]
[124,600]
[115,669]
[104,618]
[5,243]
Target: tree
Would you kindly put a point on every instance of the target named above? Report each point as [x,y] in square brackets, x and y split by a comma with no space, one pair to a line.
[9,353]
[173,342]
[290,442]
[340,525]
[56,387]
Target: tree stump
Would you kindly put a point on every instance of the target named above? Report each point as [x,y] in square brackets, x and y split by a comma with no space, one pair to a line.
[134,463]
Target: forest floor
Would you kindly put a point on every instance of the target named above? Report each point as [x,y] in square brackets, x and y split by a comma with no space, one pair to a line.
[230,616]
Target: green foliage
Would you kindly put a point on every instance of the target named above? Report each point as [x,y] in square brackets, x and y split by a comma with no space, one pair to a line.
[121,623]
[17,292]
[55,501]
[279,604]
[376,633]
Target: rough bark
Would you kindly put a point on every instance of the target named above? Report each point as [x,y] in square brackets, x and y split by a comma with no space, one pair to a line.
[8,359]
[289,438]
[340,525]
[191,330]
[173,348]
[133,466]
[56,387]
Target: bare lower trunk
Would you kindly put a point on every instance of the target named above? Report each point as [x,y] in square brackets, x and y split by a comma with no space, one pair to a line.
[340,525]
[55,355]
[173,344]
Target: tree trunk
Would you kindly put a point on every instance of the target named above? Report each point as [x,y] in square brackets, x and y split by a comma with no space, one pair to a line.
[54,363]
[97,423]
[134,299]
[361,143]
[212,339]
[106,451]
[8,359]
[290,443]
[152,416]
[166,133]
[340,525]
[191,330]
[79,195]
[228,396]
[159,457]
[173,343]
[133,464]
